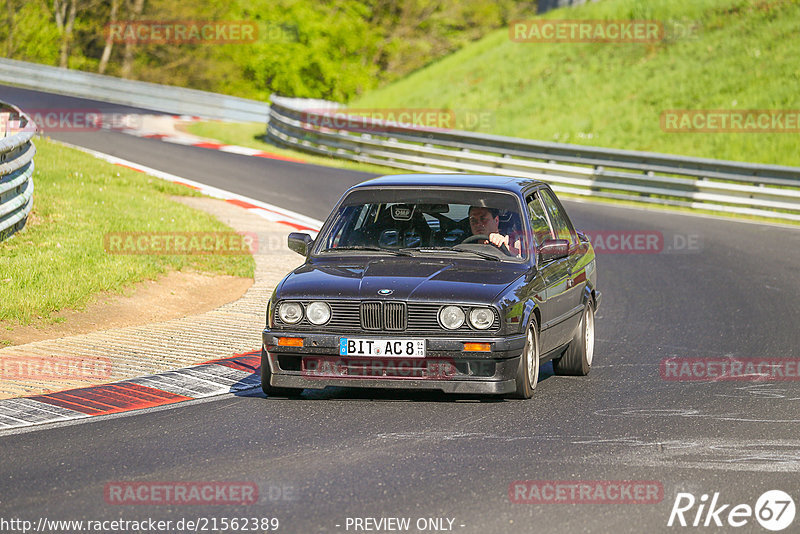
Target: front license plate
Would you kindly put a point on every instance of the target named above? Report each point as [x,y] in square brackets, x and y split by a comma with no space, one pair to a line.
[408,348]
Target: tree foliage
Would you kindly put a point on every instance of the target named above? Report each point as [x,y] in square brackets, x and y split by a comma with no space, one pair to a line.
[333,49]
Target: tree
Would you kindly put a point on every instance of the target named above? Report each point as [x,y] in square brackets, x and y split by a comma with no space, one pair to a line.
[135,8]
[10,24]
[101,68]
[65,11]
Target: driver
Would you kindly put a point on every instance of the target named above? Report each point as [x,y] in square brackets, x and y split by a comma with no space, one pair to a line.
[486,221]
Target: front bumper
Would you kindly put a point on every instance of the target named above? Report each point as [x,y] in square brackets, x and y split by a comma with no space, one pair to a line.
[446,367]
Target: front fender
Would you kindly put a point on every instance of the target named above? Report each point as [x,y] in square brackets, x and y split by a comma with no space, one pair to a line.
[530,311]
[592,295]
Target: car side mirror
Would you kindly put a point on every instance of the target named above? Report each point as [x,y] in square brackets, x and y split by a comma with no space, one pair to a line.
[300,243]
[553,249]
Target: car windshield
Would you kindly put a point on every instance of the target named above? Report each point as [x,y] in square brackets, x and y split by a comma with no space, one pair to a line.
[471,223]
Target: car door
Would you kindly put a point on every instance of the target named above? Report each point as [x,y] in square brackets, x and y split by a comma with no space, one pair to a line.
[576,271]
[554,274]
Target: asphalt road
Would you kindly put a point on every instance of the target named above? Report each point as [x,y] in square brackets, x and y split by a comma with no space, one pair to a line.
[342,453]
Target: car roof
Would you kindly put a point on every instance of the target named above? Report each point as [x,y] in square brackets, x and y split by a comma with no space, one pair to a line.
[488,181]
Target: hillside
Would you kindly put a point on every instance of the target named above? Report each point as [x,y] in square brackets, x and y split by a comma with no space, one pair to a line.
[741,55]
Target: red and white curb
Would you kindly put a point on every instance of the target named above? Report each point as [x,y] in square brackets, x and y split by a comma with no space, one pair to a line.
[267,211]
[190,140]
[216,377]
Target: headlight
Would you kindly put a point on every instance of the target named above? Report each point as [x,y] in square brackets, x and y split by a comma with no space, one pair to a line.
[481,318]
[290,312]
[451,317]
[318,313]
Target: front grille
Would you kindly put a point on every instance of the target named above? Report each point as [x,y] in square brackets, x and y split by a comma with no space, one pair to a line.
[353,316]
[377,315]
[394,316]
[371,315]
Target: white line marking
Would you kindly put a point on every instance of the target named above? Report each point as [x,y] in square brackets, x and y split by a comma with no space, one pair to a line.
[289,216]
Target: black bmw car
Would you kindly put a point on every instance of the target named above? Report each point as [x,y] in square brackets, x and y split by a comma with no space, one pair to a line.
[459,283]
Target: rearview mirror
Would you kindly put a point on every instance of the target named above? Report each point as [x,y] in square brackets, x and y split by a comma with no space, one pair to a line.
[300,243]
[553,249]
[433,208]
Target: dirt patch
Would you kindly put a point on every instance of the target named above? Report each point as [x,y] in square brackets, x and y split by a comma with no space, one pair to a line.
[176,294]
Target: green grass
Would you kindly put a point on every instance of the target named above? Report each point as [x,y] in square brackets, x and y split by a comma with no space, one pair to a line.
[59,262]
[743,56]
[250,134]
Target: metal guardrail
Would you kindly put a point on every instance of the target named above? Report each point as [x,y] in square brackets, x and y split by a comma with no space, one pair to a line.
[164,98]
[715,185]
[16,169]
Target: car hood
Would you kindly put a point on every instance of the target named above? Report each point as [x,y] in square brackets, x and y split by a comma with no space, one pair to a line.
[407,278]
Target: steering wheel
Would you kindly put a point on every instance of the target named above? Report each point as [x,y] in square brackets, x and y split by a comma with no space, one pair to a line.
[485,237]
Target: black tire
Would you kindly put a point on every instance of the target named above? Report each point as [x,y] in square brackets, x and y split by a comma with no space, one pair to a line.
[266,376]
[528,370]
[577,359]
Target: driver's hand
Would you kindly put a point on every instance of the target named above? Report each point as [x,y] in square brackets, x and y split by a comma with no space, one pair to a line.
[498,240]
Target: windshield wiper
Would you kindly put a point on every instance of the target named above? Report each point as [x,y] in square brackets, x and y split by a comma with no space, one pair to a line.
[452,250]
[370,249]
[428,249]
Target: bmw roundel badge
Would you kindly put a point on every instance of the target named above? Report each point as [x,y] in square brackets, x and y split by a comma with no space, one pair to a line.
[385,291]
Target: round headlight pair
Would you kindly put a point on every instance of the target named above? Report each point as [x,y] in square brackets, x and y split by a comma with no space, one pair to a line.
[318,313]
[452,317]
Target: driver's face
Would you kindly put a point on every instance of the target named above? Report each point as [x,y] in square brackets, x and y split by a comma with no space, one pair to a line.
[482,222]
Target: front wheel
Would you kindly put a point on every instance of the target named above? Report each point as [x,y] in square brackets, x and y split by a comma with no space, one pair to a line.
[577,359]
[266,376]
[528,370]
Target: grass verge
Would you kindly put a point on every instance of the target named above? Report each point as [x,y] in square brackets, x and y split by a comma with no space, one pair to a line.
[738,55]
[59,261]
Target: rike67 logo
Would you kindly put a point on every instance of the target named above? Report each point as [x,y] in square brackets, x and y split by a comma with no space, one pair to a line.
[774,510]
